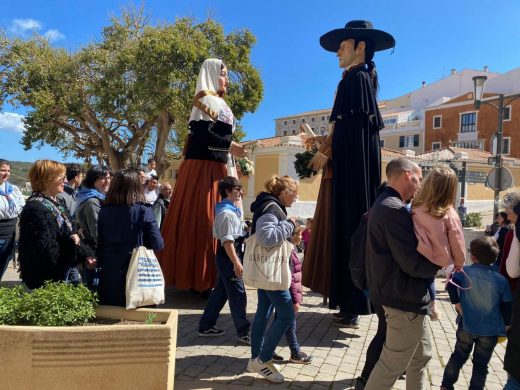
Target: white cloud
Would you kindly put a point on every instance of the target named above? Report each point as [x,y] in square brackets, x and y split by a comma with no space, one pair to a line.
[11,121]
[54,35]
[20,26]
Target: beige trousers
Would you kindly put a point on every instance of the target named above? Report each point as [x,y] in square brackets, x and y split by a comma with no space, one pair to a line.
[407,348]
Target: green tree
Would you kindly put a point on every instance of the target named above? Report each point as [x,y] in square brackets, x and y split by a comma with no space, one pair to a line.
[127,94]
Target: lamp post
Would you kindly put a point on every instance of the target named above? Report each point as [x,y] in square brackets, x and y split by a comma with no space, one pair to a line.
[479,83]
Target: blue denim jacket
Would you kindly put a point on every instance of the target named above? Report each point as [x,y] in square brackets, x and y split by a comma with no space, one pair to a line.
[481,303]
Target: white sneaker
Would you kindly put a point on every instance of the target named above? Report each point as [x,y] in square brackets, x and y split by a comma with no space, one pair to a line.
[250,365]
[267,370]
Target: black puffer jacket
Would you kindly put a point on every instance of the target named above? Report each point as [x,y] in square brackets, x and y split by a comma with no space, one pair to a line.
[45,252]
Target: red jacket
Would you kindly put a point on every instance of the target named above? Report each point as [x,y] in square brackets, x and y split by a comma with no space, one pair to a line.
[296,288]
[513,282]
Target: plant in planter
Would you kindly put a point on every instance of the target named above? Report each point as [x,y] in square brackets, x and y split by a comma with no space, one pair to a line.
[104,356]
[54,304]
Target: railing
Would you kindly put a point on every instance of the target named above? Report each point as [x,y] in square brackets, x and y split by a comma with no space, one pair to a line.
[401,125]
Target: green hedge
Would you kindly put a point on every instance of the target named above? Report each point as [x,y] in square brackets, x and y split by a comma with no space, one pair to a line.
[54,304]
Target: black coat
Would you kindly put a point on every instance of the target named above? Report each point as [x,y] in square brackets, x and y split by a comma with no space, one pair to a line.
[120,230]
[512,357]
[45,251]
[397,275]
[356,174]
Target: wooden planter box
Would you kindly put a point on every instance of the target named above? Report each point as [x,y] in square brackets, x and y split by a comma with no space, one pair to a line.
[91,357]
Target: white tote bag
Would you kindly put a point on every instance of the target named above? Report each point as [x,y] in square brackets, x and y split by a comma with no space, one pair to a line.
[267,268]
[144,279]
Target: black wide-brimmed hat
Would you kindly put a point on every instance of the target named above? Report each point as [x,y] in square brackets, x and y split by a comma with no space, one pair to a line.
[357,29]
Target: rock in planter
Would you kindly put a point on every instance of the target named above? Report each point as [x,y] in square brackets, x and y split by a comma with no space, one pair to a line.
[134,356]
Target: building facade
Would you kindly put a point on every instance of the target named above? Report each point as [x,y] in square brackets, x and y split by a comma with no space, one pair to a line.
[318,121]
[457,123]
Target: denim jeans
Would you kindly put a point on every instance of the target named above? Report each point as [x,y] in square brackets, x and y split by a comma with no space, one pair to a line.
[512,384]
[6,250]
[484,346]
[227,288]
[292,341]
[263,345]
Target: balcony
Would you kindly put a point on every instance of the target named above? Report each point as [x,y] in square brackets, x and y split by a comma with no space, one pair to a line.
[469,144]
[409,125]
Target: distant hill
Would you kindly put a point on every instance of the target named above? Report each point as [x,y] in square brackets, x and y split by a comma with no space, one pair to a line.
[20,172]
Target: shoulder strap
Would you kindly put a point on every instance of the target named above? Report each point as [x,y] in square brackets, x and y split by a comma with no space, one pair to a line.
[270,204]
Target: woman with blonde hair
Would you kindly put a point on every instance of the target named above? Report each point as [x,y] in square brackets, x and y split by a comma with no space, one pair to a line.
[440,237]
[189,247]
[272,227]
[49,246]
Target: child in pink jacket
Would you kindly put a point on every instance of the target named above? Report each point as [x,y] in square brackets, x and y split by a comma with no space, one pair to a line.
[436,223]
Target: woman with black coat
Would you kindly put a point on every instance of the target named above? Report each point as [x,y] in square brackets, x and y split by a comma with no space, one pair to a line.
[125,222]
[49,246]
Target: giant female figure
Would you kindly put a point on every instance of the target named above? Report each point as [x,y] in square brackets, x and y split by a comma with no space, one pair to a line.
[189,247]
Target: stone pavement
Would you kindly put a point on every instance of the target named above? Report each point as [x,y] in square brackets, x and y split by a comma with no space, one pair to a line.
[339,354]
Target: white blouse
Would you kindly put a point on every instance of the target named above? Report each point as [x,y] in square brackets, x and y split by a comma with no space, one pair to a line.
[18,199]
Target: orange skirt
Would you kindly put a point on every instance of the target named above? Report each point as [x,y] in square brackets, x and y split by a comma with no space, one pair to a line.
[187,260]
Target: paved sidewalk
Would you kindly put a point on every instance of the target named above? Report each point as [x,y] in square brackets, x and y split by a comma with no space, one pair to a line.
[339,354]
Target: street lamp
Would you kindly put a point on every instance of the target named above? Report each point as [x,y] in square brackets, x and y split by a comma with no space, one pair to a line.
[479,83]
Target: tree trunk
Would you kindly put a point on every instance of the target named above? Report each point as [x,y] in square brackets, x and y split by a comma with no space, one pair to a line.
[163,129]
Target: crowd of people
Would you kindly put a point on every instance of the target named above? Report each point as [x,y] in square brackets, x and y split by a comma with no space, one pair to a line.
[83,230]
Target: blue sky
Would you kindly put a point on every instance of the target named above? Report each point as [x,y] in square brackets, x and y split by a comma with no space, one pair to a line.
[432,38]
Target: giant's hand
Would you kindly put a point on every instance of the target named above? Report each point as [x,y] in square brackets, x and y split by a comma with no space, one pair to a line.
[237,150]
[310,141]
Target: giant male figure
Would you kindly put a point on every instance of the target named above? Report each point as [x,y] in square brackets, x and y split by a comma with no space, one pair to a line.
[356,154]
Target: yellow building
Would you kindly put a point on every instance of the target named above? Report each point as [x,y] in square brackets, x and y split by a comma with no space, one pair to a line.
[276,155]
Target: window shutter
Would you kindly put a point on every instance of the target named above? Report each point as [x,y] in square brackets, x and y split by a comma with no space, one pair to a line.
[416,140]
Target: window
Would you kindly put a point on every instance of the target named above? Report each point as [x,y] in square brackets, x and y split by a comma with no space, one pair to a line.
[294,131]
[322,130]
[285,132]
[303,120]
[467,122]
[312,119]
[507,113]
[409,141]
[436,145]
[328,117]
[437,121]
[382,143]
[294,121]
[322,118]
[390,121]
[506,145]
[312,128]
[284,122]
